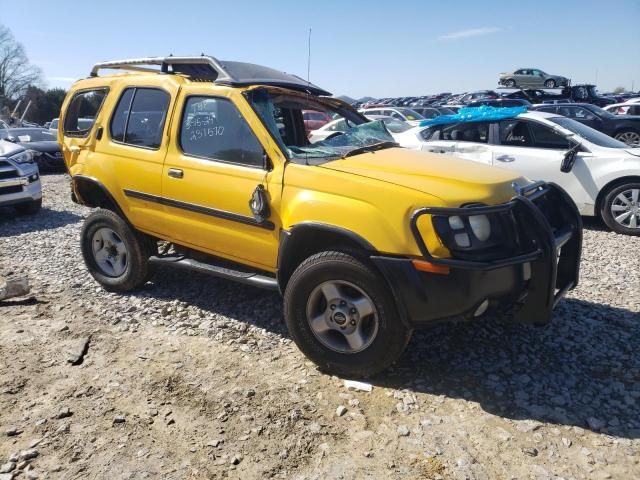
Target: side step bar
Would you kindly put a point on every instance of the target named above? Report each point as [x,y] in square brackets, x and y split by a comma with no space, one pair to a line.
[249,278]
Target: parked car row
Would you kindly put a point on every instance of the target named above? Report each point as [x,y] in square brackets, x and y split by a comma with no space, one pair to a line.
[19,179]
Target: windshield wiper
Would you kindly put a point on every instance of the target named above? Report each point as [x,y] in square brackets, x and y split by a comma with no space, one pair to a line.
[370,148]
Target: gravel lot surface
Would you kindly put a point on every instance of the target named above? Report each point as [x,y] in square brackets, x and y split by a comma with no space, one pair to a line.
[194,377]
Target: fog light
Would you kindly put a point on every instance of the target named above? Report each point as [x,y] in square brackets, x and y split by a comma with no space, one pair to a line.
[481,309]
[481,227]
[456,223]
[462,239]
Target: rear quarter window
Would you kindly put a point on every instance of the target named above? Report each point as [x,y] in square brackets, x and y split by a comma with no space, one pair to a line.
[82,111]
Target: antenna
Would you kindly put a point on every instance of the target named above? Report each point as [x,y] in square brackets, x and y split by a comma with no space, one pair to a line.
[309,57]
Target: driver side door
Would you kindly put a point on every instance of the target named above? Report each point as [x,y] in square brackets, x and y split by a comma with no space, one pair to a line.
[536,151]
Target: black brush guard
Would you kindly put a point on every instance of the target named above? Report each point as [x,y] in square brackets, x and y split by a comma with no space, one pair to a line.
[545,230]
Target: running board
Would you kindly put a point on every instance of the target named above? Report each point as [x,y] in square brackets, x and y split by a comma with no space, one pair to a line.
[248,278]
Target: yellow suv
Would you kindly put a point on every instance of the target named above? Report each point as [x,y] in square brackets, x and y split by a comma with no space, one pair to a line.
[207,165]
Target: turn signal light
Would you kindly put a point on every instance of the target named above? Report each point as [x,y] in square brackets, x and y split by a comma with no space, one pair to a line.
[424,266]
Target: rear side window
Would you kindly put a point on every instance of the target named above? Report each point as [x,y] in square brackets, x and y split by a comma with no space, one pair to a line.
[140,116]
[82,111]
[213,128]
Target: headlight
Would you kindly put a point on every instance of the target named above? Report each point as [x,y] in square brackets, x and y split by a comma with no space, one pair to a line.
[22,157]
[463,229]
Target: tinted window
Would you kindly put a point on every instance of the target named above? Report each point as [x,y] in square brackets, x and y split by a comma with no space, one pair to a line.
[81,113]
[547,109]
[515,133]
[545,137]
[578,113]
[140,116]
[119,119]
[214,128]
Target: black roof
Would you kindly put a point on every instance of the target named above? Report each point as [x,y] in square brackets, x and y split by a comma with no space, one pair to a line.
[251,74]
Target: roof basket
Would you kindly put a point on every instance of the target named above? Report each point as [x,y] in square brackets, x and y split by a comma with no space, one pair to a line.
[203,67]
[208,68]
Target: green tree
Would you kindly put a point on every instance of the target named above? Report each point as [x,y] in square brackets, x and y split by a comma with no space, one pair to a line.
[619,90]
[45,105]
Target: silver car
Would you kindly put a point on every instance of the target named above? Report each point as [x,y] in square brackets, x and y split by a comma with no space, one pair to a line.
[19,179]
[532,78]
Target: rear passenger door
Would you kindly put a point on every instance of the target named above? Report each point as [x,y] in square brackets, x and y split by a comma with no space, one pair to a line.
[133,147]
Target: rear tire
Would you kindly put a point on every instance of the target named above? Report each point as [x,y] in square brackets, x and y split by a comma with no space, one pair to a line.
[354,330]
[630,137]
[115,254]
[550,83]
[30,208]
[620,209]
[511,83]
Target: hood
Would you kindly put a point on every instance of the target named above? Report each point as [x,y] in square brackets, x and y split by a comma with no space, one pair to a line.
[455,181]
[46,146]
[7,148]
[634,151]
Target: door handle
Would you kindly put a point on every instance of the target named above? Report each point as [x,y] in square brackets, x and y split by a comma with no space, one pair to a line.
[175,173]
[505,158]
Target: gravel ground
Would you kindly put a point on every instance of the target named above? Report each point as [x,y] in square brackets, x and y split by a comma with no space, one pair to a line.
[194,377]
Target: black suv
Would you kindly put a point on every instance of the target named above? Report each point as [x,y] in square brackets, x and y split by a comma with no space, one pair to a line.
[625,128]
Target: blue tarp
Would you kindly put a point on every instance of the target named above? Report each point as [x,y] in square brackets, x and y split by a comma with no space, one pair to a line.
[475,114]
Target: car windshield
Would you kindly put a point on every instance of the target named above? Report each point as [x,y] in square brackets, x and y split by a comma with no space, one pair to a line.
[282,115]
[24,135]
[395,126]
[411,114]
[588,133]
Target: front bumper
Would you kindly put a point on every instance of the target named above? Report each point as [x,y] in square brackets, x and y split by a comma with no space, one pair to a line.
[527,284]
[20,190]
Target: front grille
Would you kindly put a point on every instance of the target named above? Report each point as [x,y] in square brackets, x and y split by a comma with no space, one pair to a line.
[12,189]
[7,170]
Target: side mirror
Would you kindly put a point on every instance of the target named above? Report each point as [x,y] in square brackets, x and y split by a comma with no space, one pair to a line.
[569,159]
[259,204]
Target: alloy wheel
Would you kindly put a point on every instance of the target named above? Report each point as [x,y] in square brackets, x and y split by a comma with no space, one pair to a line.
[109,252]
[342,317]
[625,208]
[630,138]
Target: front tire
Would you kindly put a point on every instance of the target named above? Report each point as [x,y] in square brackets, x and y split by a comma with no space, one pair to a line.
[511,83]
[115,254]
[550,83]
[620,209]
[341,314]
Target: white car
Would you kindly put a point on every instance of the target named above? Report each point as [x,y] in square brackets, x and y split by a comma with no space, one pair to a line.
[601,174]
[403,114]
[630,107]
[336,127]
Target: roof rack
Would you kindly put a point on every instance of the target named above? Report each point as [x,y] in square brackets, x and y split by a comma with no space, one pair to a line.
[212,67]
[205,67]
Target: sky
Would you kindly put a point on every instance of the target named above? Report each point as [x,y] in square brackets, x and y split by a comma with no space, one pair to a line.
[373,48]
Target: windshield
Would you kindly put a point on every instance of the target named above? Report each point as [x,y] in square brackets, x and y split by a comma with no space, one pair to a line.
[411,114]
[54,124]
[395,126]
[24,135]
[282,115]
[593,91]
[588,133]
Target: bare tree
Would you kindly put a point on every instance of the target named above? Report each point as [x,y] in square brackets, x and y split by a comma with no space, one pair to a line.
[16,74]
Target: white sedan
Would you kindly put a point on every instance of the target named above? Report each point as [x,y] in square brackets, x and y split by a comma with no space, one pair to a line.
[336,127]
[601,174]
[630,107]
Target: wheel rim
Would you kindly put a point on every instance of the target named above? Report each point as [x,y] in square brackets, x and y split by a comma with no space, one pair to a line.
[550,84]
[630,138]
[342,317]
[625,208]
[511,83]
[109,252]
